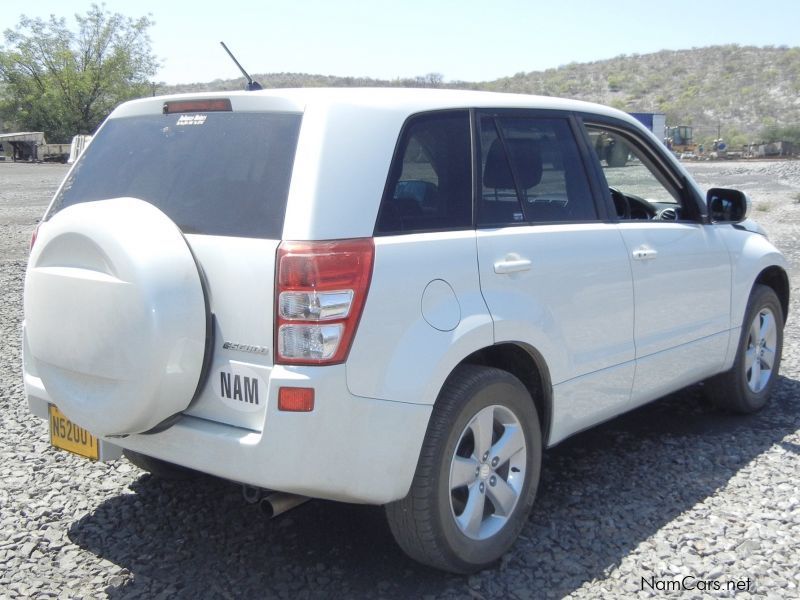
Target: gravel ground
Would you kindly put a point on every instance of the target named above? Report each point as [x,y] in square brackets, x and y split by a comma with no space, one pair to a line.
[674,489]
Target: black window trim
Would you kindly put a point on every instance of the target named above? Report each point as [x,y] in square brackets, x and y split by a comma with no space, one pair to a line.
[578,134]
[593,170]
[656,154]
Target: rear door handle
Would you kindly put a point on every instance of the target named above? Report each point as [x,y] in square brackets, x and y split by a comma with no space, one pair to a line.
[644,253]
[512,265]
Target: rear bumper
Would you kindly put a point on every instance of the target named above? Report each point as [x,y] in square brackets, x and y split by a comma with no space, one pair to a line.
[349,448]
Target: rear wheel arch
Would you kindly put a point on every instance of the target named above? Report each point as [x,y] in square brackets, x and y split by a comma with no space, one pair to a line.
[526,364]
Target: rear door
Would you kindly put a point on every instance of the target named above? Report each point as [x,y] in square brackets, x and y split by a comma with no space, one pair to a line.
[554,272]
[222,177]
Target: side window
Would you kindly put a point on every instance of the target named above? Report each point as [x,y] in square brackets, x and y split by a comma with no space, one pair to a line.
[430,181]
[639,189]
[532,172]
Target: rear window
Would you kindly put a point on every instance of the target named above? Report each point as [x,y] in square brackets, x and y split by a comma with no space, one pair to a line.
[212,173]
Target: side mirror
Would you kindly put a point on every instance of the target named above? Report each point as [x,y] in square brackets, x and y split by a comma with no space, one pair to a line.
[727,206]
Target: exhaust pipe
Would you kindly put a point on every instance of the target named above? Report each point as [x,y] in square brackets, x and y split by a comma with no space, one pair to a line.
[252,494]
[278,503]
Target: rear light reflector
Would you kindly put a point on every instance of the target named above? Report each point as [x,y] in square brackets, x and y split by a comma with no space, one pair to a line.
[296,399]
[320,292]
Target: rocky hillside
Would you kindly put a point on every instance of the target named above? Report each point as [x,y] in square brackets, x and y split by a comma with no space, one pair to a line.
[738,89]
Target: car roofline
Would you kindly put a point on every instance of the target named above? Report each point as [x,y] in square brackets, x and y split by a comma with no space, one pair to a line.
[403,100]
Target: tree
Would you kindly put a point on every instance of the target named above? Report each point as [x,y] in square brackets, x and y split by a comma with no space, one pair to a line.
[433,80]
[777,133]
[64,81]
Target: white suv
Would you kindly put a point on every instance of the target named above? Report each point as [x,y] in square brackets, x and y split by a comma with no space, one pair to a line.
[395,297]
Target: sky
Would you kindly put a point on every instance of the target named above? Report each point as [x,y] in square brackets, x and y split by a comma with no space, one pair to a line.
[465,40]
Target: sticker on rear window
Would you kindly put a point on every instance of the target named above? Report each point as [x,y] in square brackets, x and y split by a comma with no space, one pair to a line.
[191,119]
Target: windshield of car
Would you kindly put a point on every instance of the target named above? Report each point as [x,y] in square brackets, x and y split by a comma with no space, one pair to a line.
[217,173]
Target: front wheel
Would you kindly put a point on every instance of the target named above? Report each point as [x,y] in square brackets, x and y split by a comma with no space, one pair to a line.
[747,386]
[477,473]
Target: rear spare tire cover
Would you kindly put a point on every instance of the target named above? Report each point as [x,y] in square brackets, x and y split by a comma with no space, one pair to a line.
[115,315]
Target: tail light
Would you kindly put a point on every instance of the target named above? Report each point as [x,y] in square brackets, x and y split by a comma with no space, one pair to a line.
[320,292]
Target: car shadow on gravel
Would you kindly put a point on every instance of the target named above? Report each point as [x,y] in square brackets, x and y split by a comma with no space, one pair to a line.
[602,494]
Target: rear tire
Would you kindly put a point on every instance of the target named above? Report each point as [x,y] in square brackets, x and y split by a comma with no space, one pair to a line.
[746,387]
[477,473]
[160,469]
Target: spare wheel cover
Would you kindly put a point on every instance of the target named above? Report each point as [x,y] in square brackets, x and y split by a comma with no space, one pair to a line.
[115,315]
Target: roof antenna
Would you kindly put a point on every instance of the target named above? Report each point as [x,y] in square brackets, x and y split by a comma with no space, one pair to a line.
[251,83]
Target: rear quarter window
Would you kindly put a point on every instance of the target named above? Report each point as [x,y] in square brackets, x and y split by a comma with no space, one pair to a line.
[222,173]
[430,181]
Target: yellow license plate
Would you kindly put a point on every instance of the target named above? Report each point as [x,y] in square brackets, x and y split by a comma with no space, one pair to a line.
[66,435]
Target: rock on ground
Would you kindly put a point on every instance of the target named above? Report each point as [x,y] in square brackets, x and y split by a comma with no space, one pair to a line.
[673,490]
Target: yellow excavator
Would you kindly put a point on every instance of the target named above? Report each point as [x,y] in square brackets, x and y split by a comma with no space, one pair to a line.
[679,140]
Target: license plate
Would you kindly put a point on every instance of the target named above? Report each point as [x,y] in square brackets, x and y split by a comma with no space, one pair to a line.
[66,435]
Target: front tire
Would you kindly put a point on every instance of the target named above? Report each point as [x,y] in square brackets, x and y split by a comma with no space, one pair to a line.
[477,473]
[746,387]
